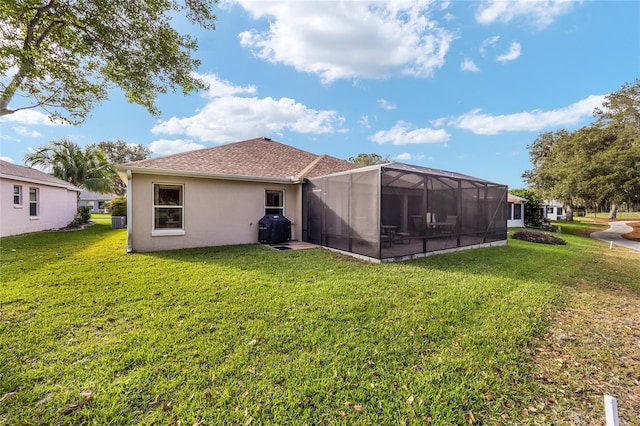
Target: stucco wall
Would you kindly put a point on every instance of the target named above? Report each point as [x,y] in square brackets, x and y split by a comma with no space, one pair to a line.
[216,212]
[57,207]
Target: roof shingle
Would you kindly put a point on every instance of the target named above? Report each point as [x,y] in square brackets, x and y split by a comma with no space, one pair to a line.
[10,170]
[260,157]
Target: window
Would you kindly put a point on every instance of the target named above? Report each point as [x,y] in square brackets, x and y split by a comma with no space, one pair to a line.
[517,211]
[510,210]
[17,195]
[274,201]
[33,202]
[168,206]
[559,210]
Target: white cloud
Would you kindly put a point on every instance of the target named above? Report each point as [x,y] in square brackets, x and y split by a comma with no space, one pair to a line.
[515,50]
[167,147]
[487,124]
[385,104]
[8,159]
[400,134]
[30,117]
[539,13]
[23,131]
[489,42]
[468,65]
[364,122]
[349,39]
[407,156]
[222,88]
[228,117]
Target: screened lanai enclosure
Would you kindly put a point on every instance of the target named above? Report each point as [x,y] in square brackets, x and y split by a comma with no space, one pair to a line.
[397,210]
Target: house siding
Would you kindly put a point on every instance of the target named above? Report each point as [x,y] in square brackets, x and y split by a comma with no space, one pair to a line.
[511,222]
[57,207]
[216,212]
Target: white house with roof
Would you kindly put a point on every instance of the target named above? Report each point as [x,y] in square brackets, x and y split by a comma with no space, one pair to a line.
[552,210]
[31,200]
[515,216]
[96,201]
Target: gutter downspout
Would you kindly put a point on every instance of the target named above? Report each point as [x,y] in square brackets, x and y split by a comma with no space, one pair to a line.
[129,212]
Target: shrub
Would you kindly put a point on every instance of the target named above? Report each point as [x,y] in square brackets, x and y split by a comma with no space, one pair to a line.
[538,237]
[75,223]
[118,206]
[84,214]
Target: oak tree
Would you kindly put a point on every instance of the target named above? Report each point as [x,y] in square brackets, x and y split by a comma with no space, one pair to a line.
[120,152]
[66,55]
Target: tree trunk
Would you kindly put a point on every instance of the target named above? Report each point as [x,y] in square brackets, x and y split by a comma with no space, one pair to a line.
[568,214]
[613,213]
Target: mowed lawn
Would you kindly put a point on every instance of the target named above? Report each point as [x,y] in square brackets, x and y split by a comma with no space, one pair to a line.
[248,335]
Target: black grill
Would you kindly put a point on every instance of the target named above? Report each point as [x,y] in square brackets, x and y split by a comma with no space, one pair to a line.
[274,229]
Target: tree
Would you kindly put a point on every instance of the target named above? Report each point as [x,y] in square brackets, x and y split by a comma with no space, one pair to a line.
[65,55]
[87,169]
[596,164]
[363,160]
[119,152]
[621,114]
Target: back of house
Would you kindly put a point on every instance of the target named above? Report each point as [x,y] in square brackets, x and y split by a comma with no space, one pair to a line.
[31,200]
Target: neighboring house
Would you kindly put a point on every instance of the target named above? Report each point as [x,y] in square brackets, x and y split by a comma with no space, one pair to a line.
[216,196]
[31,200]
[98,202]
[552,210]
[515,216]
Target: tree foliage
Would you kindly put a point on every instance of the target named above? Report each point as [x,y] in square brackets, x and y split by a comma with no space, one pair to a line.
[119,152]
[363,160]
[118,206]
[87,169]
[594,165]
[65,55]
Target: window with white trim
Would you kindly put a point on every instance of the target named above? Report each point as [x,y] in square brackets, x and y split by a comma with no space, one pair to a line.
[274,201]
[509,211]
[17,195]
[34,208]
[517,211]
[168,206]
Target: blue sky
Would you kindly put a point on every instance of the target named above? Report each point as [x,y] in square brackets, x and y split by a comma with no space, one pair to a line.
[454,85]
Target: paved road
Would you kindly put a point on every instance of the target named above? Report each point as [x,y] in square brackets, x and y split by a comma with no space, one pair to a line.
[614,235]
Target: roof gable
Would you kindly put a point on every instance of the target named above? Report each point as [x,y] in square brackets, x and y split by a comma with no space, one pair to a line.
[260,157]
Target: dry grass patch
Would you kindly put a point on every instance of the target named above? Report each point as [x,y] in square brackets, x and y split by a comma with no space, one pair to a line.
[592,349]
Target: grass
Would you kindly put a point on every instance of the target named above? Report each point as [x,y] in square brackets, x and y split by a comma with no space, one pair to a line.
[619,216]
[244,334]
[102,218]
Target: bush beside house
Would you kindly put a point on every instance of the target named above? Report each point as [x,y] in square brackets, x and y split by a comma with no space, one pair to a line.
[118,209]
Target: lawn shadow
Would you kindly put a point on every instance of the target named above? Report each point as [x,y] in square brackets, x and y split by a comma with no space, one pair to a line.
[24,253]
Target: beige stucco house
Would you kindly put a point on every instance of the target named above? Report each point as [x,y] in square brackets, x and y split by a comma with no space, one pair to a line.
[31,200]
[216,196]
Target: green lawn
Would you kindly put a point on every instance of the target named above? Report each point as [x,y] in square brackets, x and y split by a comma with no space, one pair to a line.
[102,218]
[245,334]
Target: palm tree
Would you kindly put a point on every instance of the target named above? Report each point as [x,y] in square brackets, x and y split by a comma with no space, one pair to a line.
[87,169]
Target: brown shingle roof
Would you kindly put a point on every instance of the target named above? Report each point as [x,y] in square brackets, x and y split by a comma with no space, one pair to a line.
[14,171]
[260,157]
